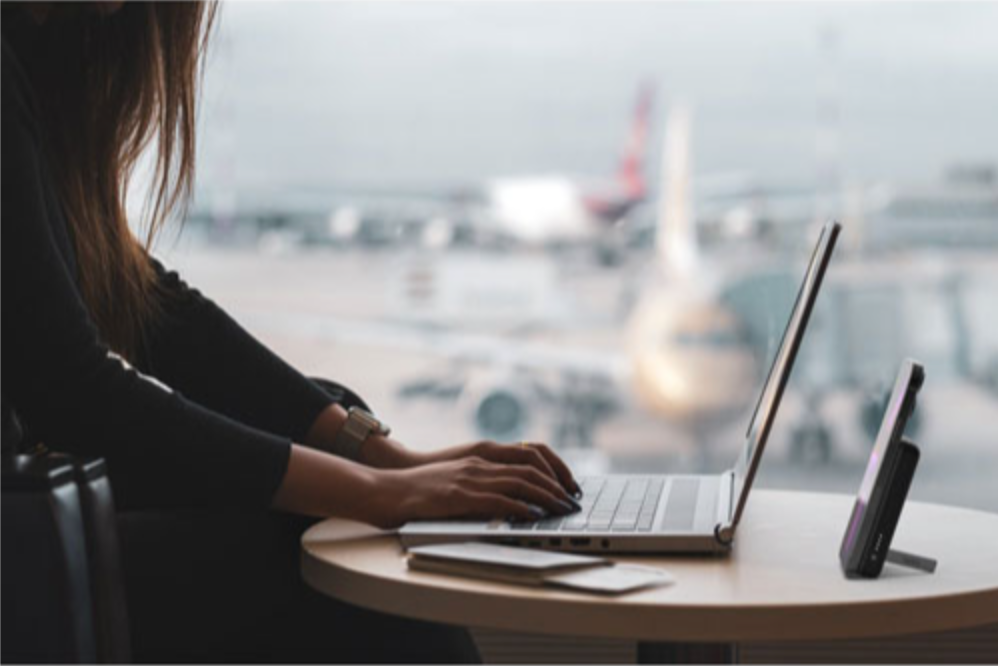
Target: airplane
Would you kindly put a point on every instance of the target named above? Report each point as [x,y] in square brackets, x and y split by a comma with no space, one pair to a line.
[545,210]
[677,334]
[701,328]
[552,209]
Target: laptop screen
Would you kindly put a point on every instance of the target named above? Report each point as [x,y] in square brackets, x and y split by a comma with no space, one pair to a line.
[779,372]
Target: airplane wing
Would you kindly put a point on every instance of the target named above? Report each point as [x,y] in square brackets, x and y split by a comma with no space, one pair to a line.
[444,343]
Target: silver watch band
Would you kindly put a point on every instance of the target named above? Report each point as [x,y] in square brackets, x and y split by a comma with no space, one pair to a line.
[354,432]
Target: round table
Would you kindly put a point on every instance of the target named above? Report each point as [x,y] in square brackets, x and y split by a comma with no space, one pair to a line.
[781,582]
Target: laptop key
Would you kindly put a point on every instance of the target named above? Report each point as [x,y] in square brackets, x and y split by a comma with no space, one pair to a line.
[522,527]
[599,523]
[636,490]
[654,492]
[550,524]
[630,506]
[615,505]
[625,523]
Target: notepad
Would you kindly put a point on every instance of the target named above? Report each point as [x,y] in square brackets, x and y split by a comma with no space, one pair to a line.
[534,567]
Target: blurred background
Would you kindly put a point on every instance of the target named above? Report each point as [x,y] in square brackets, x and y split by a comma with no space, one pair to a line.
[585,224]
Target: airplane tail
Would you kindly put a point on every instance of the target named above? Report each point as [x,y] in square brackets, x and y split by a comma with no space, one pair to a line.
[631,172]
[675,238]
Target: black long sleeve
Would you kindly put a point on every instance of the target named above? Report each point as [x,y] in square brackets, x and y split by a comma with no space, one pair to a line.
[163,450]
[199,350]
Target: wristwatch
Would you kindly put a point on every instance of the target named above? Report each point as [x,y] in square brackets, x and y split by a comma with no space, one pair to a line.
[360,424]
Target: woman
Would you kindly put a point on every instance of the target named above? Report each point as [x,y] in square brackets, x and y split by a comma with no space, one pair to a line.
[216,448]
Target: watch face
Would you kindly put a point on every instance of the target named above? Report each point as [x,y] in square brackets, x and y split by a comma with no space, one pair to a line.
[365,417]
[370,421]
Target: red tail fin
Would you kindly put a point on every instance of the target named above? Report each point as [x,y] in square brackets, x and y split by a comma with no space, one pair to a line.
[631,172]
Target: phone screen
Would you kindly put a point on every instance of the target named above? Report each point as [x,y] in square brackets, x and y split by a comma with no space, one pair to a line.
[891,428]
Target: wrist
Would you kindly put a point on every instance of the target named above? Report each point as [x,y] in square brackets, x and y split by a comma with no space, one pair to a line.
[376,450]
[327,425]
[389,501]
[384,452]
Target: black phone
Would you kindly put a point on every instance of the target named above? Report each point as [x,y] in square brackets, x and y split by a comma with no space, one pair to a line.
[867,540]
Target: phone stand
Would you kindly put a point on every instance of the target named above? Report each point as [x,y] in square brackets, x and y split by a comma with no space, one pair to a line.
[903,559]
[866,544]
[873,546]
[895,498]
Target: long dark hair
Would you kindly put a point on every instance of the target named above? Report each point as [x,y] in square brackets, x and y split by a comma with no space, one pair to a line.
[110,84]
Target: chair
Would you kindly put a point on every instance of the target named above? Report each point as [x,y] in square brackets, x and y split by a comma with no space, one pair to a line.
[63,594]
[62,591]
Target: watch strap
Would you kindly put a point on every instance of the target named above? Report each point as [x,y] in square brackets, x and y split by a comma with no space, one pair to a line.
[355,430]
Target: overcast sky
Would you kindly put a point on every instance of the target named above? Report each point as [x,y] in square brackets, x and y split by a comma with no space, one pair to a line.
[421,94]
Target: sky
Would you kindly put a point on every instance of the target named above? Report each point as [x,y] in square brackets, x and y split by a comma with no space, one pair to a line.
[400,95]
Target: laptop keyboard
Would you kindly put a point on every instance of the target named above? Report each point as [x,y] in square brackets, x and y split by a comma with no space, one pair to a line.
[623,505]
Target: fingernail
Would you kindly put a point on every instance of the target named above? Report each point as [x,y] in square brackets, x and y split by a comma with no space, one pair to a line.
[536,513]
[566,507]
[578,492]
[574,504]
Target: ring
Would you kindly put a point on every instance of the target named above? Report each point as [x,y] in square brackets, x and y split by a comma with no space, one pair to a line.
[523,445]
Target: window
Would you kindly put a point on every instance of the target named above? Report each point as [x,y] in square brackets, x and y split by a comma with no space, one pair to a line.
[585,224]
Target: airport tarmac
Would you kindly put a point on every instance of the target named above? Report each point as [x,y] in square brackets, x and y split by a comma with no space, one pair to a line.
[957,436]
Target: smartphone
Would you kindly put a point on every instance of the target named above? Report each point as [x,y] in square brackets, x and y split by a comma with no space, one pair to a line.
[884,489]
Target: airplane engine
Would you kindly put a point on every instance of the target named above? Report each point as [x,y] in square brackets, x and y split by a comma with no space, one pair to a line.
[499,407]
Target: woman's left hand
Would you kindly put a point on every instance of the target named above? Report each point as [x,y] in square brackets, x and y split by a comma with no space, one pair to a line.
[387,453]
[533,454]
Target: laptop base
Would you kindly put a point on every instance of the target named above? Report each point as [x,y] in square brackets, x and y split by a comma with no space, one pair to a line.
[697,534]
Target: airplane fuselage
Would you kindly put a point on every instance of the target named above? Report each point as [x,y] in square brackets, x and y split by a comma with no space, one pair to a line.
[553,209]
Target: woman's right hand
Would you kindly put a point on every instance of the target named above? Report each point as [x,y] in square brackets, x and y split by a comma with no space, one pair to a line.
[466,488]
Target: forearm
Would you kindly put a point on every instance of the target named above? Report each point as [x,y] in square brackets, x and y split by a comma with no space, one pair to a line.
[320,484]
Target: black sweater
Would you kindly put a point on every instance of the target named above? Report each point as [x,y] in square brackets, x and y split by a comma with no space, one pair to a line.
[209,420]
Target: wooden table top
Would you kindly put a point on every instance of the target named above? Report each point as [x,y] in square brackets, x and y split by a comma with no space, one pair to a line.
[781,581]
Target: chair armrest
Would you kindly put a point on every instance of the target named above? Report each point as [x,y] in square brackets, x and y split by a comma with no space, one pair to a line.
[107,585]
[341,394]
[63,590]
[46,601]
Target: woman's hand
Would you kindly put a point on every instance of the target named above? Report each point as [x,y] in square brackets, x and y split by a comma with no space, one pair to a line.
[534,454]
[386,453]
[467,487]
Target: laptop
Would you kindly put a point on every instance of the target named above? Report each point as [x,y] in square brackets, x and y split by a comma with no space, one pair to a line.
[659,513]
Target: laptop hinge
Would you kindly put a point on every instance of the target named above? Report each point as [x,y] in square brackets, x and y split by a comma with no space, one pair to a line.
[731,495]
[724,530]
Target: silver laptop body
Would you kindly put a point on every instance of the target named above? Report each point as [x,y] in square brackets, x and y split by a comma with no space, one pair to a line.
[659,513]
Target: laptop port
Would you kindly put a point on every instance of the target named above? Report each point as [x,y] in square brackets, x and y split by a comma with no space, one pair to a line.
[605,543]
[554,542]
[578,542]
